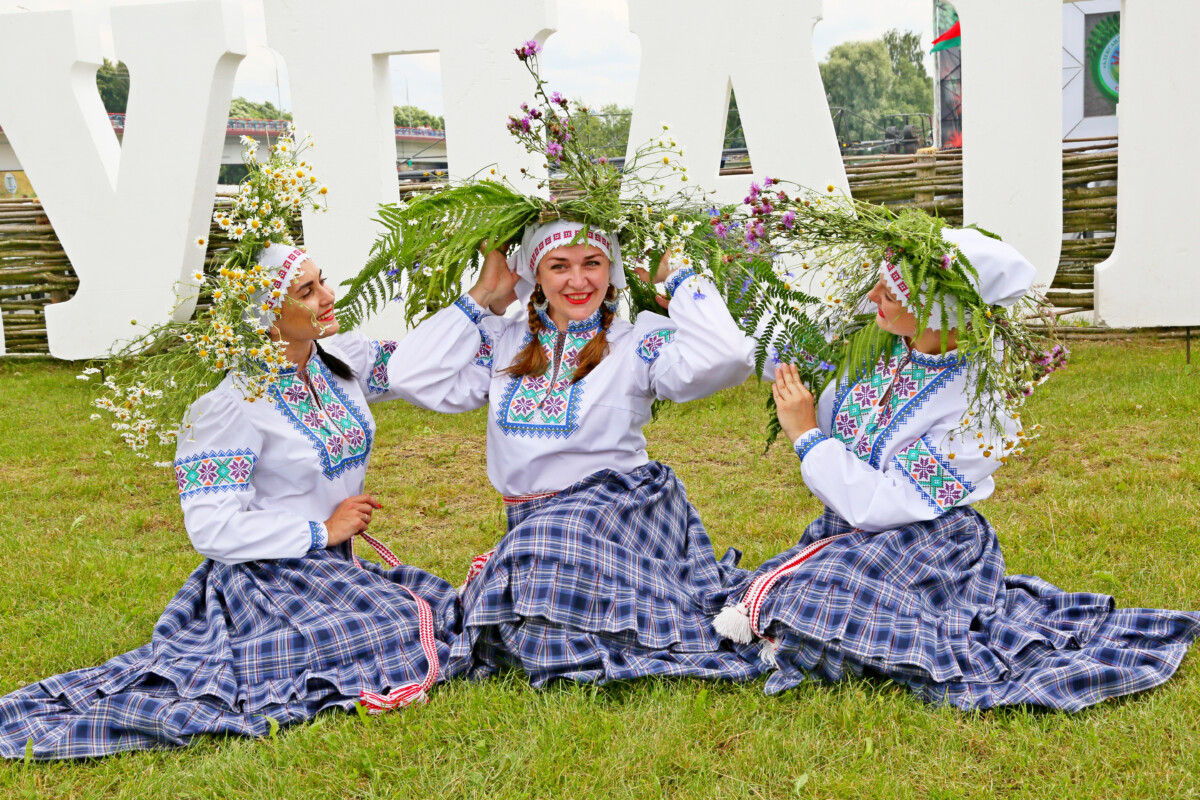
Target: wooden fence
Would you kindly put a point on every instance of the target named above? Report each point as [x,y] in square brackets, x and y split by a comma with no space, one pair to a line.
[34,270]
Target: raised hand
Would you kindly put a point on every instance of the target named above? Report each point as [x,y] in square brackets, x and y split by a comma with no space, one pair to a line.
[495,289]
[793,403]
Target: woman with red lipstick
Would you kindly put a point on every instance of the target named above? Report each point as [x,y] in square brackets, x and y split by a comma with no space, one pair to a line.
[901,577]
[606,572]
[280,621]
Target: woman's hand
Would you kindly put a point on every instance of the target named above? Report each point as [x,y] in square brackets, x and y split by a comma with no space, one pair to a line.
[495,289]
[352,516]
[660,275]
[793,403]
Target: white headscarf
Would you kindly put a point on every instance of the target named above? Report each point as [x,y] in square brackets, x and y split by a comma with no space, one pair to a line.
[537,242]
[283,267]
[1004,274]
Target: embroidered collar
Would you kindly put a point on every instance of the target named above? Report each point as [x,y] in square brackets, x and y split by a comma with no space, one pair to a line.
[312,359]
[575,326]
[950,359]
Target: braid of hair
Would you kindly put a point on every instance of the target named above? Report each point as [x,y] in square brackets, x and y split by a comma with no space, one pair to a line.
[595,350]
[531,360]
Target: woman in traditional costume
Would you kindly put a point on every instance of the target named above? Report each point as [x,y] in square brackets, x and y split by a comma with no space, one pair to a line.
[901,577]
[281,620]
[606,572]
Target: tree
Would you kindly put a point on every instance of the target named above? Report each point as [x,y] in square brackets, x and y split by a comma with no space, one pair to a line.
[413,117]
[241,108]
[112,80]
[602,131]
[874,79]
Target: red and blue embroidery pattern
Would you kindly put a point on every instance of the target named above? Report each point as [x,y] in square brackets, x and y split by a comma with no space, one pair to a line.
[338,429]
[940,484]
[548,404]
[863,426]
[216,471]
[483,356]
[652,344]
[378,382]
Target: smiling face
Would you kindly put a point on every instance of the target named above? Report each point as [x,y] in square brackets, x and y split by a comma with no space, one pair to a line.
[307,313]
[575,280]
[893,317]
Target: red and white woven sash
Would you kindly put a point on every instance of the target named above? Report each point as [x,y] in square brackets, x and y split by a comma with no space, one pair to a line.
[516,500]
[739,621]
[410,693]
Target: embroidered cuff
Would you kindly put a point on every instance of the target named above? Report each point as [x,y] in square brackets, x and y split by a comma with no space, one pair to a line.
[808,441]
[473,310]
[320,536]
[676,278]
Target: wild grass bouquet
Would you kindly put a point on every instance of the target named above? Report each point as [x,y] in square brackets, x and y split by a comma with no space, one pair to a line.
[149,381]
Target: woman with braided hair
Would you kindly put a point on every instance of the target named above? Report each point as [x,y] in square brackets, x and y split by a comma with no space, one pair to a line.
[606,572]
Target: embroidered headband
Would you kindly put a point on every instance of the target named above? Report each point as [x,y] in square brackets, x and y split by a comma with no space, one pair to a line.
[540,241]
[283,267]
[1004,274]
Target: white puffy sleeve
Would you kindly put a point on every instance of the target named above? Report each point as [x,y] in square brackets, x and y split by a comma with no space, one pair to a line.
[702,350]
[369,359]
[214,468]
[446,363]
[925,478]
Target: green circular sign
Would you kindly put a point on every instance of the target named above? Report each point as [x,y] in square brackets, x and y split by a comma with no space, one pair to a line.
[1104,56]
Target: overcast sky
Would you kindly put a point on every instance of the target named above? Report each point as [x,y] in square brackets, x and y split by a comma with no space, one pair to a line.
[593,55]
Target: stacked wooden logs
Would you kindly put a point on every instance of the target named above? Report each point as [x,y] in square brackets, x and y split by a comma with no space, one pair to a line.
[34,270]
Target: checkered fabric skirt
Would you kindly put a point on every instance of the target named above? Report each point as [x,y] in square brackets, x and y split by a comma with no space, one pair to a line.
[283,639]
[610,579]
[928,605]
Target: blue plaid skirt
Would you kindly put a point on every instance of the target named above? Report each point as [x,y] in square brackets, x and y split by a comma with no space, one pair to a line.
[928,605]
[610,579]
[282,639]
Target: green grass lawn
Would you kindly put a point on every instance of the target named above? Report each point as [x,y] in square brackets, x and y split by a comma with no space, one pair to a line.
[92,548]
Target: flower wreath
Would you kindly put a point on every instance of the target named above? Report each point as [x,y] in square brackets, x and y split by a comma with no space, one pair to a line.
[150,381]
[431,241]
[814,310]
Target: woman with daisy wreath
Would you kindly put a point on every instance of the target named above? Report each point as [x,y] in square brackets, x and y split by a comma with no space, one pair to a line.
[901,578]
[281,621]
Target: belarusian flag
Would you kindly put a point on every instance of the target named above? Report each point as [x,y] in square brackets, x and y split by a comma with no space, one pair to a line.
[951,38]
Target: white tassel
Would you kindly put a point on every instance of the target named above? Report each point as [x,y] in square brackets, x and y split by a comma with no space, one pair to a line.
[734,623]
[767,652]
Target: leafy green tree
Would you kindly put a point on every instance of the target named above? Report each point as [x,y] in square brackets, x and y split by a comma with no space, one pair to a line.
[241,108]
[875,79]
[112,80]
[603,131]
[413,117]
[734,137]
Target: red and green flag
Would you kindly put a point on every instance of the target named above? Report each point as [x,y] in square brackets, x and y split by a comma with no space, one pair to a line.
[951,38]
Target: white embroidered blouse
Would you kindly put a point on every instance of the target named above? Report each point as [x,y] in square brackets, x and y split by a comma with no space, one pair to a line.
[546,432]
[882,456]
[258,479]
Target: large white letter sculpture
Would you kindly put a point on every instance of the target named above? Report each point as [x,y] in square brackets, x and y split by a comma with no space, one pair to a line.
[127,214]
[341,92]
[1150,279]
[687,72]
[1012,125]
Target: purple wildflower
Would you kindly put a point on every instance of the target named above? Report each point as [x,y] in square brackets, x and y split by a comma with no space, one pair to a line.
[554,150]
[946,261]
[721,229]
[558,99]
[528,50]
[602,160]
[789,219]
[755,190]
[767,181]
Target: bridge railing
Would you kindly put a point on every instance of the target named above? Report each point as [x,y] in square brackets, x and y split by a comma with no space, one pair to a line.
[239,126]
